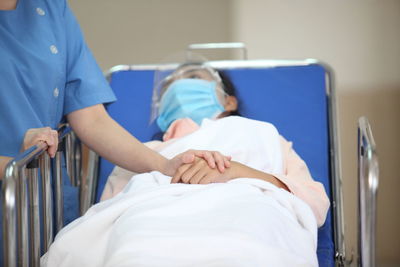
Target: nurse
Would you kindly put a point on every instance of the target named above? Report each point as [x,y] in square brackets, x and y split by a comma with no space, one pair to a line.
[47,76]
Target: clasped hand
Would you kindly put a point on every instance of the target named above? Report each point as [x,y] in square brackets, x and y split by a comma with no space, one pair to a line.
[200,172]
[47,135]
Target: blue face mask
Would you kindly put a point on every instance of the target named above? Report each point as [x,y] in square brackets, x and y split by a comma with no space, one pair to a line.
[188,98]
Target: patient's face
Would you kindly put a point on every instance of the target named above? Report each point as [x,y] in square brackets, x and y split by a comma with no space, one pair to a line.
[193,92]
[196,72]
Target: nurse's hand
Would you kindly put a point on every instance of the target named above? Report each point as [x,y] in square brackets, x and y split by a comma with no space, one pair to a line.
[36,135]
[214,159]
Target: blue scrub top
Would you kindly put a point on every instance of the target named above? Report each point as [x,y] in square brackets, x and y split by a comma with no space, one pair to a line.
[46,72]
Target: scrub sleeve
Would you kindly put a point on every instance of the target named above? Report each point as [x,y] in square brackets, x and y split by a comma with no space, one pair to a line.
[46,72]
[85,86]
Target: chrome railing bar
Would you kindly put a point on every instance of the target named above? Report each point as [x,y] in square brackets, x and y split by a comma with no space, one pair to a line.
[57,176]
[34,219]
[22,246]
[69,160]
[213,46]
[9,191]
[88,188]
[47,201]
[22,219]
[341,258]
[14,198]
[58,193]
[368,180]
[77,157]
[72,157]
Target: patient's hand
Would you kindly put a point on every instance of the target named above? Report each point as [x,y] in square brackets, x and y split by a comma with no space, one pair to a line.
[214,159]
[199,172]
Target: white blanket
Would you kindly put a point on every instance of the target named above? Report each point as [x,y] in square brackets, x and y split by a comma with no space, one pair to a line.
[245,222]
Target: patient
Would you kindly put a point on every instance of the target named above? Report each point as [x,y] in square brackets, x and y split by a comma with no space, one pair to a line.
[262,211]
[197,92]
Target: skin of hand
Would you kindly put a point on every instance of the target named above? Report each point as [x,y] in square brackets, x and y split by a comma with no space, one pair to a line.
[3,163]
[199,172]
[100,132]
[8,4]
[34,136]
[214,159]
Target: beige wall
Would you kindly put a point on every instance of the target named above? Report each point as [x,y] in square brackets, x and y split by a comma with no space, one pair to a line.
[148,31]
[382,108]
[360,39]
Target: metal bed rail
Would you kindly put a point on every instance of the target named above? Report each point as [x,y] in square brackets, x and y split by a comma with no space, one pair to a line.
[368,181]
[22,203]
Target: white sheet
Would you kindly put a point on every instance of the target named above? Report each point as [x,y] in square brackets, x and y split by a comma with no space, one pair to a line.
[245,222]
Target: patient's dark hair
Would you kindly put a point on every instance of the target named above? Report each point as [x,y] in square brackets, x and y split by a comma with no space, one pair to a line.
[229,88]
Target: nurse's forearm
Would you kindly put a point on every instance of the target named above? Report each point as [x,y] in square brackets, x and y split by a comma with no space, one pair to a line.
[101,133]
[3,163]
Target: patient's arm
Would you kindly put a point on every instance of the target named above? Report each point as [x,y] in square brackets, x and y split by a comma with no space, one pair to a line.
[200,173]
[298,179]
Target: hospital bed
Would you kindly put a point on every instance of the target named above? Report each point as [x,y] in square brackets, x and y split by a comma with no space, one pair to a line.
[295,95]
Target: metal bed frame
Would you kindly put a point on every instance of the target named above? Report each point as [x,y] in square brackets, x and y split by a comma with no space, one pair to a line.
[22,237]
[368,181]
[22,202]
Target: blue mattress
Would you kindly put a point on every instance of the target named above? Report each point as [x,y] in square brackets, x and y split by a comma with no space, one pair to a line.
[293,98]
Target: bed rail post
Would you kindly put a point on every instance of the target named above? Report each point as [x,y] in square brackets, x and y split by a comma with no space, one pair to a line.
[21,180]
[368,180]
[89,185]
[47,203]
[58,194]
[341,258]
[9,193]
[73,158]
[34,224]
[15,208]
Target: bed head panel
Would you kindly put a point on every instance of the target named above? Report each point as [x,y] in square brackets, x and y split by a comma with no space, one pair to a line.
[293,98]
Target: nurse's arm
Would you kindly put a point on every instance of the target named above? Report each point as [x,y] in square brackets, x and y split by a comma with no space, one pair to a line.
[101,133]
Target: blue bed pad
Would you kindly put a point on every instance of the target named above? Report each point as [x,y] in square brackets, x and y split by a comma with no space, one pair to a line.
[293,98]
